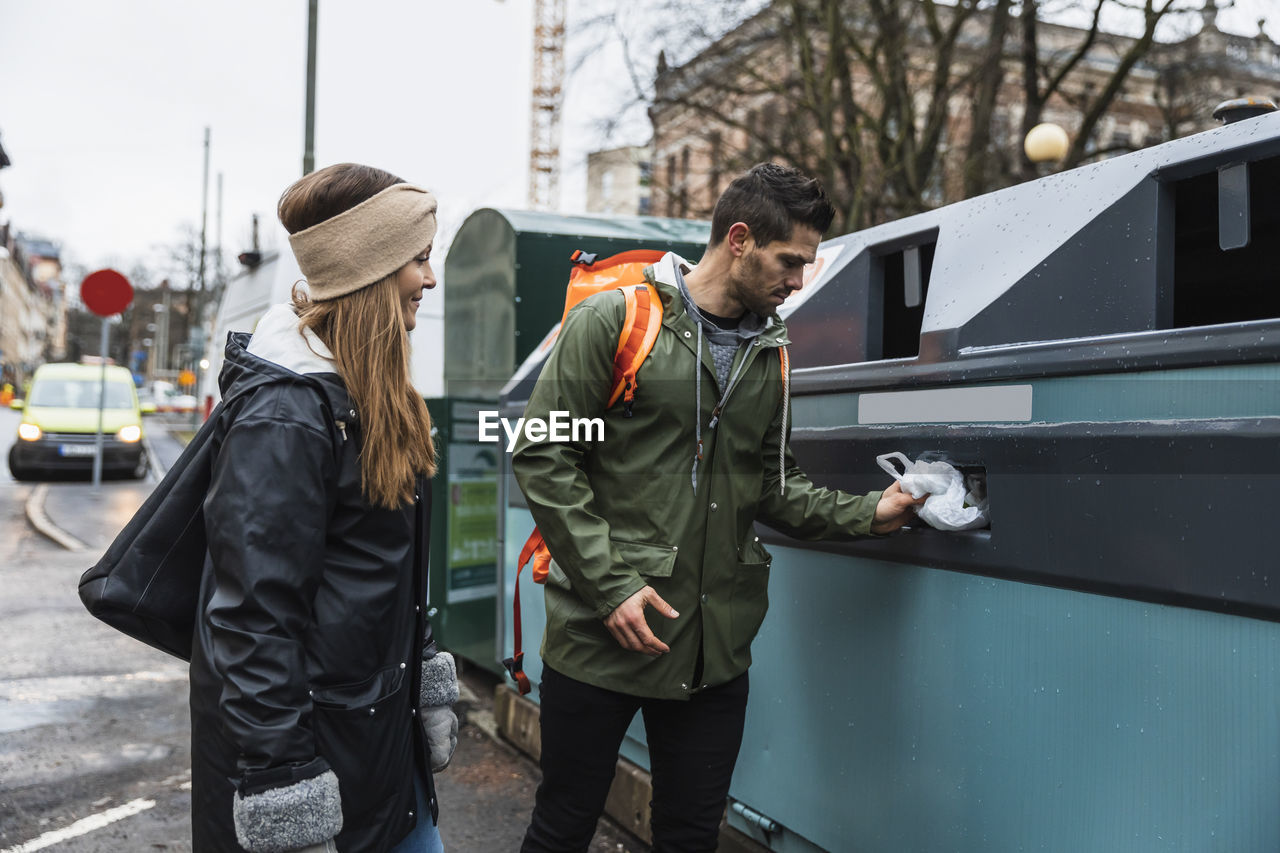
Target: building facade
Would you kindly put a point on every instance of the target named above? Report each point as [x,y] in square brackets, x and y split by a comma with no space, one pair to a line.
[719,113]
[618,181]
[30,288]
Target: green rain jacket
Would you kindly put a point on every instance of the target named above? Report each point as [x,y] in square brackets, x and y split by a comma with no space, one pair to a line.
[622,512]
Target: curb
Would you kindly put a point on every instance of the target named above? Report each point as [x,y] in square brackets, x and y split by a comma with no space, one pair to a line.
[39,520]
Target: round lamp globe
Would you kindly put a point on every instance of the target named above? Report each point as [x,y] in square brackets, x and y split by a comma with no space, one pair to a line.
[1045,143]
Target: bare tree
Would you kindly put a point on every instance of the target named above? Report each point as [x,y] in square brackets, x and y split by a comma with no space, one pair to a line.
[201,282]
[896,106]
[1046,72]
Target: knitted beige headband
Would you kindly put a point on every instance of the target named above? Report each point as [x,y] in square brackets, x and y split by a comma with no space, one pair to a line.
[366,243]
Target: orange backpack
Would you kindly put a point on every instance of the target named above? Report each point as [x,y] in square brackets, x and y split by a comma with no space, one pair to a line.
[624,272]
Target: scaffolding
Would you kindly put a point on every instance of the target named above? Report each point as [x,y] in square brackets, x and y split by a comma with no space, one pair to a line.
[548,95]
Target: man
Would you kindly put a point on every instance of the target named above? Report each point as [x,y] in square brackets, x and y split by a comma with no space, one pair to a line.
[660,515]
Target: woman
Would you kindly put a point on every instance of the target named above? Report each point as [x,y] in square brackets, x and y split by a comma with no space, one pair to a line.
[319,704]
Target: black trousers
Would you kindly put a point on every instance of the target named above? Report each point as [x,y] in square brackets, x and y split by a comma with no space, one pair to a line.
[693,746]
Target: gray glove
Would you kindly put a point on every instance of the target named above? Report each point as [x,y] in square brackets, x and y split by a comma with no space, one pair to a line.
[304,815]
[439,723]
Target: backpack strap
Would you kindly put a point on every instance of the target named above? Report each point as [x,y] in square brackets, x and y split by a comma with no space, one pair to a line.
[536,548]
[640,329]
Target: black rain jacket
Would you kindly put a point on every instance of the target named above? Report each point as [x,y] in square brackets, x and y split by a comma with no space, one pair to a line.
[307,651]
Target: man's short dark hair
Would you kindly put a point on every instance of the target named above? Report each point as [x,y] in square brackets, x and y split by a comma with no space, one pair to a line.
[772,200]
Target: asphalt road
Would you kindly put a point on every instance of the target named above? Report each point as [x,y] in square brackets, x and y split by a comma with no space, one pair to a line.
[94,730]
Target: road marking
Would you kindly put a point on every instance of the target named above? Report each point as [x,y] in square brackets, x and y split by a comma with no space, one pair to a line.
[153,461]
[83,826]
[40,521]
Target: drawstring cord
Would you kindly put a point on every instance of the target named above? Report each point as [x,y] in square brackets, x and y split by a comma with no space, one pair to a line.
[697,408]
[786,410]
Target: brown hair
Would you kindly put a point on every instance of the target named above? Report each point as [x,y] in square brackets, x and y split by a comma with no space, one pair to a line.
[772,200]
[365,332]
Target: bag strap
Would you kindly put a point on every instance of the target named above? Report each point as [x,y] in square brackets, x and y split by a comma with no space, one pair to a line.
[640,329]
[536,548]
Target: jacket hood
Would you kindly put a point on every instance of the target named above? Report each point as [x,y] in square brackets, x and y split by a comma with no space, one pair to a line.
[663,276]
[281,340]
[276,352]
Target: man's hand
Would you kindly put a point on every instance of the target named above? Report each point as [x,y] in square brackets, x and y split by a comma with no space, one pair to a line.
[895,509]
[628,627]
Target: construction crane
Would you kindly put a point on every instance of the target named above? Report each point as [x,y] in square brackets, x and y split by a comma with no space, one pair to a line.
[548,96]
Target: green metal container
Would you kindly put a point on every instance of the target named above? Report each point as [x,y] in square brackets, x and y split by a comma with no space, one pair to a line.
[505,277]
[464,567]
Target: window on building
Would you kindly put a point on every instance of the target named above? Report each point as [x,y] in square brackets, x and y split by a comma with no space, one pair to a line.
[713,177]
[684,181]
[672,182]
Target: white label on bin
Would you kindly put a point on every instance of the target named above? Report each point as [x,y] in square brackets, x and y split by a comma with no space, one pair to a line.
[947,405]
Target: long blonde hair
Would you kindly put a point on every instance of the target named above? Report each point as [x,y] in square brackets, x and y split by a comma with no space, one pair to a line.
[364,330]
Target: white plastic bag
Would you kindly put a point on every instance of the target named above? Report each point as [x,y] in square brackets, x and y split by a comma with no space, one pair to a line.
[950,506]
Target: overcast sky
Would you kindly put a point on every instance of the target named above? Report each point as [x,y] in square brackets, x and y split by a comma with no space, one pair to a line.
[104,105]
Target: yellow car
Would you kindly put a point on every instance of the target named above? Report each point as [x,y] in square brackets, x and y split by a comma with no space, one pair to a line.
[60,423]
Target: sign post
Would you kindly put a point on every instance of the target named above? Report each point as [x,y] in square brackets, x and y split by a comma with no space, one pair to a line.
[105,293]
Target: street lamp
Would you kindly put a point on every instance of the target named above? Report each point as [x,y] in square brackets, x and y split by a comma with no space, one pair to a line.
[1046,143]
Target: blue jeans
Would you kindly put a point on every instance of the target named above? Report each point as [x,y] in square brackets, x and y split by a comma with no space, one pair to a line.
[425,837]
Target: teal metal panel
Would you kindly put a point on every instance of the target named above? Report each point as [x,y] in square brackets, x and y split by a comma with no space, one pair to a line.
[1238,391]
[949,712]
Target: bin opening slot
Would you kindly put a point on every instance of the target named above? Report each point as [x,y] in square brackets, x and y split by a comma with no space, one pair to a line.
[974,476]
[1225,230]
[904,275]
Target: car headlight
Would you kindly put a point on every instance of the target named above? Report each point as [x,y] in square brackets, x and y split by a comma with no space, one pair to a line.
[29,432]
[130,433]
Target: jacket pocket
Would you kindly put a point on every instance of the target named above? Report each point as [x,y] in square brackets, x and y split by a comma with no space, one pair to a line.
[750,600]
[365,731]
[650,560]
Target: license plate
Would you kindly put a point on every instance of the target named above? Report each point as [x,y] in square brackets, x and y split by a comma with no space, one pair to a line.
[76,449]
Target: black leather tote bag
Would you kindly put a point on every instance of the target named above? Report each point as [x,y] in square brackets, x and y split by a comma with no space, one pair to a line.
[147,584]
